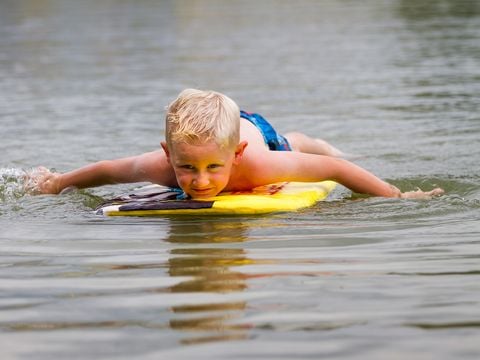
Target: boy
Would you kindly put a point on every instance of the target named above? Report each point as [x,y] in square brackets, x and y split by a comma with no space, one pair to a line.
[211,147]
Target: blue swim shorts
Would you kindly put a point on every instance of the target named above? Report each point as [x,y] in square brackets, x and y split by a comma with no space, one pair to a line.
[274,141]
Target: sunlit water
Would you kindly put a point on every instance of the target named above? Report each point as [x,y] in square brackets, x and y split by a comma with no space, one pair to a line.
[396,83]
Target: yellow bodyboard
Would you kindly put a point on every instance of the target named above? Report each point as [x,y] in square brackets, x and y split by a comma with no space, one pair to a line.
[156,200]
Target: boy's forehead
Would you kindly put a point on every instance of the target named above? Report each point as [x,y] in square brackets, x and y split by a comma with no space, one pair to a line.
[210,145]
[200,150]
[203,141]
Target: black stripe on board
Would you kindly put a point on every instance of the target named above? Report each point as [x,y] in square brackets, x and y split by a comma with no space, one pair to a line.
[167,205]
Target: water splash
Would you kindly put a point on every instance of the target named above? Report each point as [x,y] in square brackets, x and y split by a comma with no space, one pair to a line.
[18,187]
[15,183]
[12,183]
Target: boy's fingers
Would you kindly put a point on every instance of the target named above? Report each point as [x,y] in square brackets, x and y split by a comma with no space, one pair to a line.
[419,194]
[437,192]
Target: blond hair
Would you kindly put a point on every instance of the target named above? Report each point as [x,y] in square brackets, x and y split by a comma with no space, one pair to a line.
[203,116]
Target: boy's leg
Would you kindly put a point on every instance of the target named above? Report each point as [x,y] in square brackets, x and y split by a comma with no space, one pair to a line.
[303,143]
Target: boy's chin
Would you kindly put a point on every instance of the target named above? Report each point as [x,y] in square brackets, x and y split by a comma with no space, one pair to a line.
[202,196]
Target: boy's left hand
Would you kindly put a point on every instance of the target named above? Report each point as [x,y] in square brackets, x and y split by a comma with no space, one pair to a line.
[419,194]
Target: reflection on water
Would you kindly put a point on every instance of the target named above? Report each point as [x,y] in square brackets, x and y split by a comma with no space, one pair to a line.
[207,230]
[210,271]
[204,270]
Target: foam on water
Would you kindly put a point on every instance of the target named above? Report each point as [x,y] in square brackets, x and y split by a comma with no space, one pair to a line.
[12,183]
[16,182]
[20,198]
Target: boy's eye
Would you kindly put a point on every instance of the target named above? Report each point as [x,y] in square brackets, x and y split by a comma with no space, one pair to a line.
[192,167]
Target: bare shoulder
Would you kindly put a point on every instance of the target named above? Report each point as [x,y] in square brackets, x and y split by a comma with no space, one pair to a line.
[260,166]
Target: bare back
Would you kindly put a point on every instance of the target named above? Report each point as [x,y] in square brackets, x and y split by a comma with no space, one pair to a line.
[251,171]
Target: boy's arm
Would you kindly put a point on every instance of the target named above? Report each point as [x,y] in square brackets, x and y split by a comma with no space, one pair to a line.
[295,166]
[146,167]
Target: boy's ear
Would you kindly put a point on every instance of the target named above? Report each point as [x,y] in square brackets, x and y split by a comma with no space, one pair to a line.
[165,148]
[239,151]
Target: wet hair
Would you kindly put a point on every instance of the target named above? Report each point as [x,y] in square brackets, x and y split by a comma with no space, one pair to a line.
[198,116]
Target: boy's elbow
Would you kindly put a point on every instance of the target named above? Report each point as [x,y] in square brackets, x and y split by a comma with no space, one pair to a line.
[106,171]
[118,171]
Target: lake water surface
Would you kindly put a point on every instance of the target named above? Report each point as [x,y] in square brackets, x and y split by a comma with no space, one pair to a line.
[396,83]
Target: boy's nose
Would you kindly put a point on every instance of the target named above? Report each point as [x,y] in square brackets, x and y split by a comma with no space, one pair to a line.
[201,180]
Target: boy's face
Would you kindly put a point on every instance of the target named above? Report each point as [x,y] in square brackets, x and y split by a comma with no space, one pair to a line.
[203,170]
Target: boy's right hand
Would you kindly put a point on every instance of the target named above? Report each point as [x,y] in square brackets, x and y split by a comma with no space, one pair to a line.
[42,181]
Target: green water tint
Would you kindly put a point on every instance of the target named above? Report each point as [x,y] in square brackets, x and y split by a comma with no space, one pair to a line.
[12,184]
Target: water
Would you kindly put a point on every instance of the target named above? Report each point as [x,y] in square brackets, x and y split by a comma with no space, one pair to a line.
[396,82]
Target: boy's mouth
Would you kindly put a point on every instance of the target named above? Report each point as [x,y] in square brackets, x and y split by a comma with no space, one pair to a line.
[202,193]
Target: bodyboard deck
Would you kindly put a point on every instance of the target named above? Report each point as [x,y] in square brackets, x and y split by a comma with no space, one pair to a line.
[156,200]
